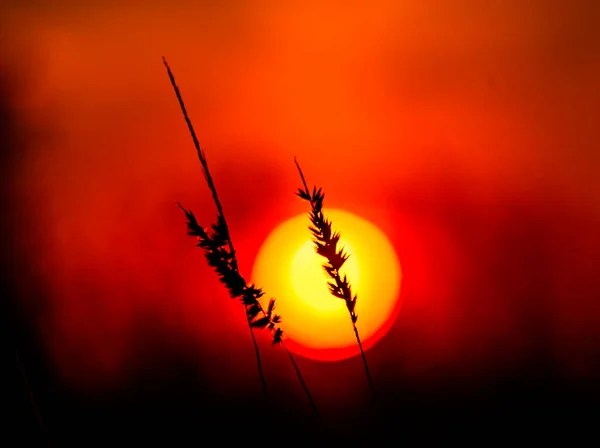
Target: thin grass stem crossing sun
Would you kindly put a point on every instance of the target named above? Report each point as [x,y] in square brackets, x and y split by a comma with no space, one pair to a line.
[288,266]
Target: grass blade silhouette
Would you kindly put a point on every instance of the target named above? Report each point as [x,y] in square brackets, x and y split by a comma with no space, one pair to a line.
[326,244]
[220,254]
[32,400]
[220,216]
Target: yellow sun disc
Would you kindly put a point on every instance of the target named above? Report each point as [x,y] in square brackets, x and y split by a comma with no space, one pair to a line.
[317,324]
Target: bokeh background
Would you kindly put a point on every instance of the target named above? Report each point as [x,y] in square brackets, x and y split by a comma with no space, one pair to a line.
[467,131]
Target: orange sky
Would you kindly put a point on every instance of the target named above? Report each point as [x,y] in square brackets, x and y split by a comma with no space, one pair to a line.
[461,128]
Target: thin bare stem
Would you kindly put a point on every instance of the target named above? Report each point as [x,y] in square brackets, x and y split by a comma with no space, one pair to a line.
[301,379]
[217,202]
[31,397]
[263,382]
[364,358]
[326,244]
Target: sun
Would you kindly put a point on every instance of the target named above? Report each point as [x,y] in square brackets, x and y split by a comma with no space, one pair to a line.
[317,324]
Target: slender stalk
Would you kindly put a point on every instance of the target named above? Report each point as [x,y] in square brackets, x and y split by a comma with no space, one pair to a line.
[227,265]
[217,202]
[301,379]
[31,397]
[326,242]
[263,382]
[364,358]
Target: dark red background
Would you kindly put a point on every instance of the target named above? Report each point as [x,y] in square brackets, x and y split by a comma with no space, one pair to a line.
[467,133]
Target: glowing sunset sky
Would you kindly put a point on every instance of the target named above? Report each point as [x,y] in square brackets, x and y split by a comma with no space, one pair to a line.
[466,131]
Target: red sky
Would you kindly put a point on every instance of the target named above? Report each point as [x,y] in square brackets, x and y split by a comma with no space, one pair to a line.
[466,130]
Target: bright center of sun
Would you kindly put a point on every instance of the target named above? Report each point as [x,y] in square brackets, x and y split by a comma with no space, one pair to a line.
[317,324]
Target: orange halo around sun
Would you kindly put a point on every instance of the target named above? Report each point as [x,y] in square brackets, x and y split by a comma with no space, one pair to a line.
[316,323]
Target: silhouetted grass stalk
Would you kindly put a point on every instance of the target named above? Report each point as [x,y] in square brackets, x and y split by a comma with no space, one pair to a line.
[326,244]
[30,395]
[221,255]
